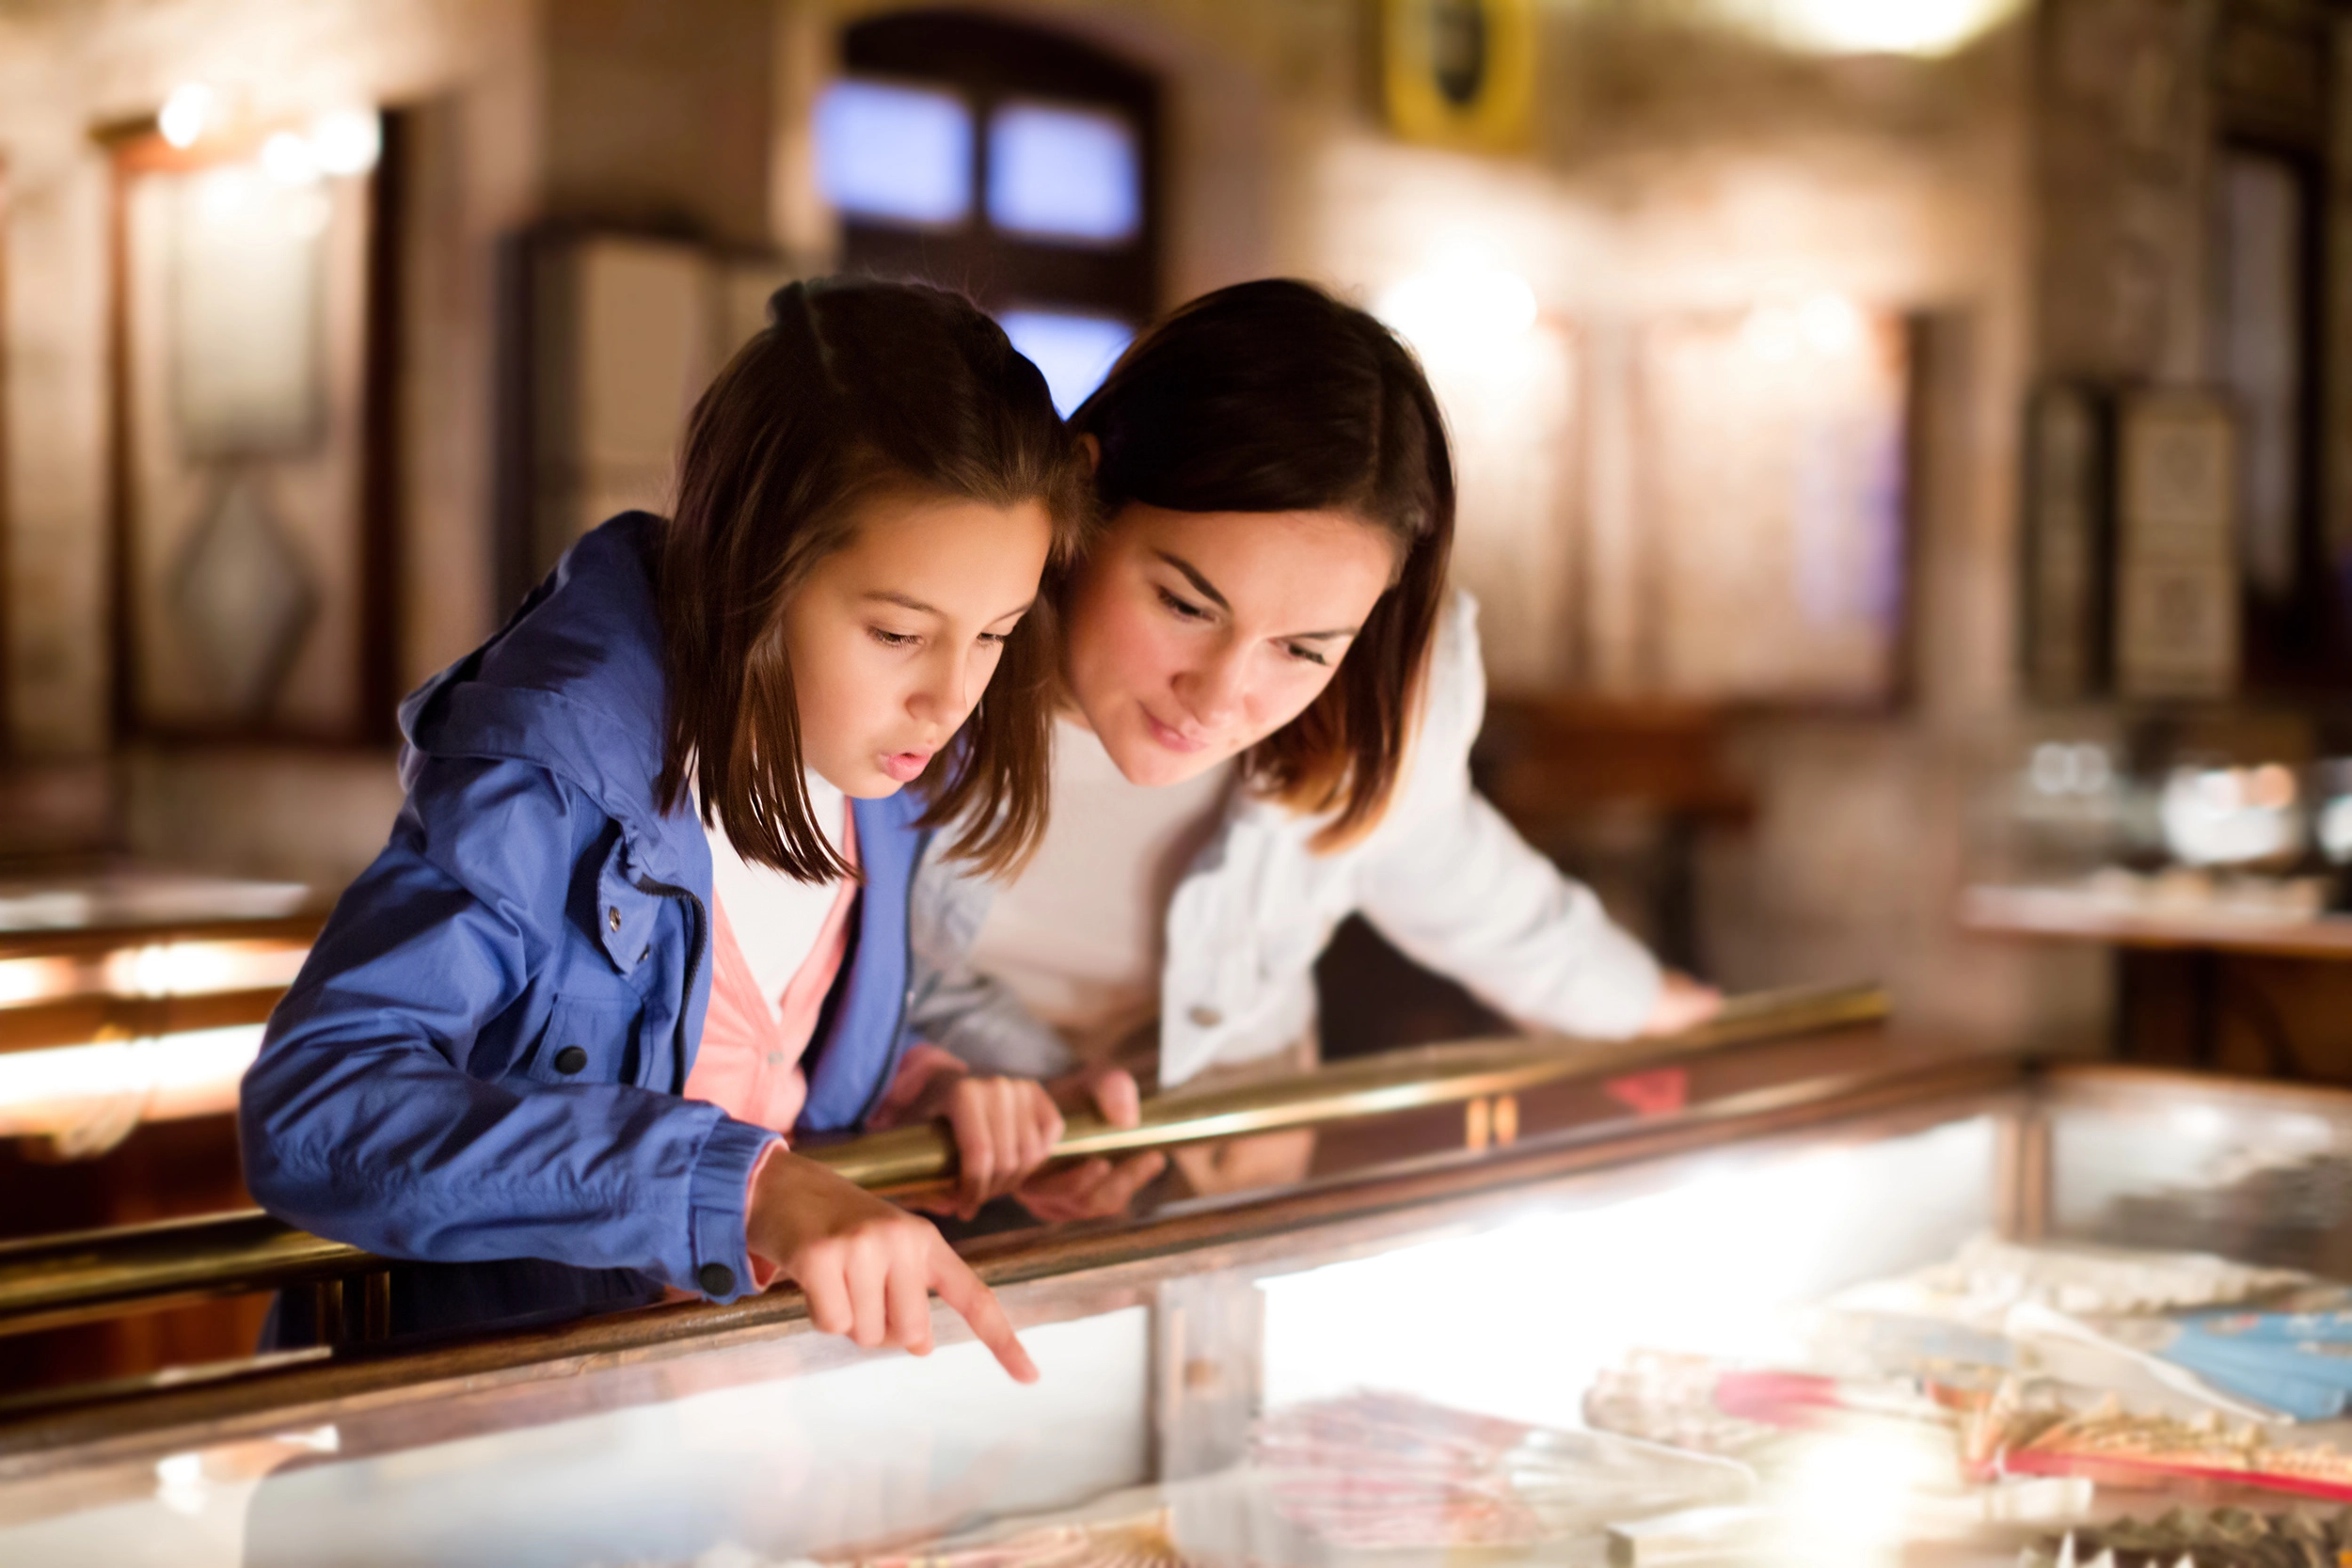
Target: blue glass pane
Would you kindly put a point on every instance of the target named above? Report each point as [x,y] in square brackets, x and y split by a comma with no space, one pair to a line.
[1074,352]
[1063,173]
[895,153]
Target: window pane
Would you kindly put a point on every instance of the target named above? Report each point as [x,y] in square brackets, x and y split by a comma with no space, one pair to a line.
[895,153]
[1063,173]
[1073,352]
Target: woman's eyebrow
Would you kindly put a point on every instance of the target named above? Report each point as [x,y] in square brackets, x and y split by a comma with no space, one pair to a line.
[1192,575]
[905,601]
[1208,591]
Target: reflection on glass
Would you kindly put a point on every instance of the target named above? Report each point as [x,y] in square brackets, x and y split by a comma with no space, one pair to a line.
[1076,351]
[895,153]
[1063,173]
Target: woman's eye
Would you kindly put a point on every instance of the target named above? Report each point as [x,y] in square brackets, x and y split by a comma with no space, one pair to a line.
[1310,654]
[1184,607]
[993,638]
[892,639]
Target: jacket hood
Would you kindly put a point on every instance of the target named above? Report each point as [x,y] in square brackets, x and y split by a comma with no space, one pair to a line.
[573,682]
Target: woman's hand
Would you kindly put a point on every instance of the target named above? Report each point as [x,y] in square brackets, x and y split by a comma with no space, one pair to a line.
[1682,1003]
[1095,1188]
[867,1267]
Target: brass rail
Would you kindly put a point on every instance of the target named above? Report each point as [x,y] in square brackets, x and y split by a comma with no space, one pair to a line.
[51,1281]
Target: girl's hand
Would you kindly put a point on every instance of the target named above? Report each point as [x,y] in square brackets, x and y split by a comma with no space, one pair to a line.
[1682,1003]
[1096,1188]
[1004,1129]
[867,1267]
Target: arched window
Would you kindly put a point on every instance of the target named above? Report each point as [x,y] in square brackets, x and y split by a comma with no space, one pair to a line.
[1014,163]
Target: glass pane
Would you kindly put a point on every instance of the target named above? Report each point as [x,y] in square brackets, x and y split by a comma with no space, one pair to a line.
[895,153]
[1064,173]
[1074,352]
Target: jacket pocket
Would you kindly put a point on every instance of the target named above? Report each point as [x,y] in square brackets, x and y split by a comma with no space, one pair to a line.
[587,1041]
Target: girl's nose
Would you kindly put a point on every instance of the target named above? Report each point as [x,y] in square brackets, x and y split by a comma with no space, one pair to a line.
[948,690]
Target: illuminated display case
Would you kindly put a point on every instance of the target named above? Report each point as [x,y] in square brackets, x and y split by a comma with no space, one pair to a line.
[1500,1282]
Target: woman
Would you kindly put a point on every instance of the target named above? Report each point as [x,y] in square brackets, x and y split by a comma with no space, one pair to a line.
[1269,696]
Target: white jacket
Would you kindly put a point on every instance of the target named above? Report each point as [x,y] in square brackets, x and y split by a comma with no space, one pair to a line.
[1441,875]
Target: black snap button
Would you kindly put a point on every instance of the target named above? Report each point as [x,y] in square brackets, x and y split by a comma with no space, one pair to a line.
[716,1279]
[570,1060]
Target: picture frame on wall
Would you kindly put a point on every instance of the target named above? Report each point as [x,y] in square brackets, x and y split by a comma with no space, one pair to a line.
[2069,543]
[2177,614]
[254,501]
[1460,73]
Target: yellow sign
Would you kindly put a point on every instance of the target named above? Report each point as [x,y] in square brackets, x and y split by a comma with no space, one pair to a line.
[1460,72]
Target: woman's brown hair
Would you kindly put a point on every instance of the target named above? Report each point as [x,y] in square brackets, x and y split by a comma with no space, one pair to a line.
[856,389]
[1275,396]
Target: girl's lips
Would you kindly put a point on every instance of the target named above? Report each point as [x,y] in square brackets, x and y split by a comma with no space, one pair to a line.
[905,766]
[1175,741]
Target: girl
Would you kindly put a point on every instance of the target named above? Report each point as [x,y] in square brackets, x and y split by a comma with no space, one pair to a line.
[1268,701]
[645,910]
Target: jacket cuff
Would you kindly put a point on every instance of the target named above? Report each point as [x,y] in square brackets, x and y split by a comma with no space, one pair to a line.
[716,1204]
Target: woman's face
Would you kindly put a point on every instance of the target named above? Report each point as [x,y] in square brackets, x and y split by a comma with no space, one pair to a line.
[1192,636]
[894,636]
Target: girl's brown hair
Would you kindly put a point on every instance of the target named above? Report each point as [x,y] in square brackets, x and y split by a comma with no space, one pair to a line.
[1275,396]
[855,389]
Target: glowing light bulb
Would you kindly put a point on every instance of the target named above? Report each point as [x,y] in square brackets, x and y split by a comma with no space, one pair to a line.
[287,159]
[1471,309]
[1832,324]
[186,113]
[1875,27]
[348,141]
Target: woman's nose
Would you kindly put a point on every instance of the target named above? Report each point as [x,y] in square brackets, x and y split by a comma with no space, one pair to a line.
[1213,691]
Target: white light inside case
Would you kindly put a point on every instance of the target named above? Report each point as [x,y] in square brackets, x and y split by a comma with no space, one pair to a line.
[1064,173]
[898,154]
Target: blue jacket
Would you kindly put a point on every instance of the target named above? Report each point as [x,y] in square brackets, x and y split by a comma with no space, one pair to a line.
[484,1055]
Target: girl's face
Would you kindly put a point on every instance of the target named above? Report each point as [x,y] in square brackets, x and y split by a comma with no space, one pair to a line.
[894,636]
[1194,635]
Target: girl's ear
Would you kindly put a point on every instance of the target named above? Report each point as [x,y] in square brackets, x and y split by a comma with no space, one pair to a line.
[1094,448]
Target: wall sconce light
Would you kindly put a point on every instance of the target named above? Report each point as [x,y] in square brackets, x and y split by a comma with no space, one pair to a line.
[1826,325]
[187,114]
[1471,309]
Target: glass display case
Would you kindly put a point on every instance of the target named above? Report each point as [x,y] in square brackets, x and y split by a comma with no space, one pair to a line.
[1240,1379]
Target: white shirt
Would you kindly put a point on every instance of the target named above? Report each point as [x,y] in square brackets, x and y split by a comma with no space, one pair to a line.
[776,919]
[1080,937]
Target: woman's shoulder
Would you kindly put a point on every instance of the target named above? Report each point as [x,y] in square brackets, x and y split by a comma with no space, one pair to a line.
[1457,666]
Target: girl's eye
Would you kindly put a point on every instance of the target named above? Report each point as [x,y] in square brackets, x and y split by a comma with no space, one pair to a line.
[994,639]
[1184,607]
[1311,655]
[892,639]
